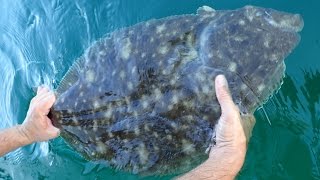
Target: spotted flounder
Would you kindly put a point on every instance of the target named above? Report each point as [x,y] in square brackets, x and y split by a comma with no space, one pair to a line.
[143,100]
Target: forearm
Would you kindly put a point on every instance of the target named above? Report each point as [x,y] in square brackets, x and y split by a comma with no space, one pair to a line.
[221,165]
[12,138]
[208,171]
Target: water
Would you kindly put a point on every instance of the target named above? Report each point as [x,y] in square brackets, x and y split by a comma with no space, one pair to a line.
[39,40]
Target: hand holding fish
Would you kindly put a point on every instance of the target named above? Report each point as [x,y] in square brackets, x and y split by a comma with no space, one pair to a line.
[37,126]
[227,156]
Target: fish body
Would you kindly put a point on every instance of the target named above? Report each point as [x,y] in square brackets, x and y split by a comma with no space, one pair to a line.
[143,99]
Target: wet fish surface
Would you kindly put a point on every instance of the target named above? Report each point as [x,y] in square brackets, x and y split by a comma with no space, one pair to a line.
[143,99]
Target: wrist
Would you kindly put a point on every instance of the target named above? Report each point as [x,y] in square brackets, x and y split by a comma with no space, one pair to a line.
[230,160]
[25,137]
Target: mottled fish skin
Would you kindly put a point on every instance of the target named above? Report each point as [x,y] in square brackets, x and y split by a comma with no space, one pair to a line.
[143,99]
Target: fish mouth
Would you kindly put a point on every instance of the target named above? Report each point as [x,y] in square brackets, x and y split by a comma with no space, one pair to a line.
[288,22]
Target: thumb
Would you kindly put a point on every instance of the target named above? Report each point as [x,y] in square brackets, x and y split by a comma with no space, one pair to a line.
[52,130]
[223,95]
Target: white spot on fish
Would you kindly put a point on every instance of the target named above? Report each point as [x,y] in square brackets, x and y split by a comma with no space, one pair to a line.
[136,131]
[232,67]
[163,50]
[143,153]
[146,127]
[114,72]
[62,100]
[100,90]
[102,53]
[108,113]
[250,13]
[110,134]
[206,89]
[187,147]
[239,38]
[90,76]
[261,87]
[174,99]
[155,134]
[173,81]
[95,126]
[160,28]
[74,119]
[96,104]
[273,57]
[134,69]
[143,55]
[145,104]
[200,76]
[126,49]
[130,85]
[135,114]
[242,22]
[243,87]
[157,94]
[266,43]
[101,147]
[122,74]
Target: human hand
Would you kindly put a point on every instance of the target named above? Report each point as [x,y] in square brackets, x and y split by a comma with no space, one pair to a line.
[232,133]
[231,141]
[37,126]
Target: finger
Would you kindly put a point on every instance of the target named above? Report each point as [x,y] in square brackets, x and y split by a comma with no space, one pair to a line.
[42,89]
[223,95]
[47,102]
[53,131]
[38,89]
[40,97]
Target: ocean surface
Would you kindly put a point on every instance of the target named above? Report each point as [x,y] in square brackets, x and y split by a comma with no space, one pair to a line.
[39,41]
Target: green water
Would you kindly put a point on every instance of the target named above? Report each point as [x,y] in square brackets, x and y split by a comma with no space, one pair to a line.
[39,40]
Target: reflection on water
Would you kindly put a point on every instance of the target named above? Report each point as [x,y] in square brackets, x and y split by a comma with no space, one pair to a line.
[41,39]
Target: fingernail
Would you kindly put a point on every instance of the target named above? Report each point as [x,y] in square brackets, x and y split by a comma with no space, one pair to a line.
[221,81]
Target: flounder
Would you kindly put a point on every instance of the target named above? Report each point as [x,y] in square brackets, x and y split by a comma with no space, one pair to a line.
[143,100]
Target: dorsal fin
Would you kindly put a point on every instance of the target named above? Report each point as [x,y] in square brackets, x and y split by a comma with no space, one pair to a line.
[71,76]
[205,10]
